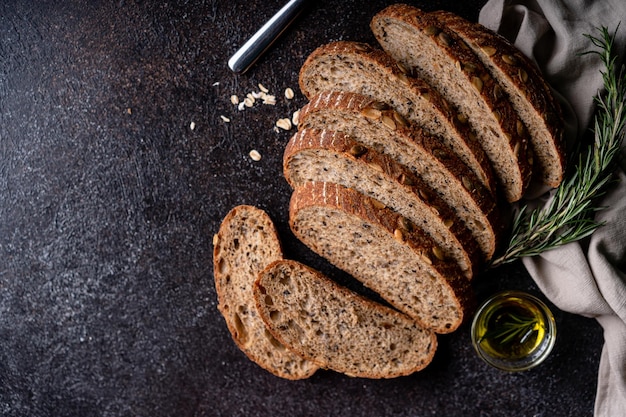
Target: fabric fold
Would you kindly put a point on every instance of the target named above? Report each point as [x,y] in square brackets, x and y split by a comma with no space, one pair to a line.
[586,277]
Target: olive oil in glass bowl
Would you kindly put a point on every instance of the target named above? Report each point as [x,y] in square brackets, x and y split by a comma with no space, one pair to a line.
[513,331]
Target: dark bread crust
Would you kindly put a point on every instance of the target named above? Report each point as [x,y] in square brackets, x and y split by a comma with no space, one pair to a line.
[526,78]
[339,330]
[408,95]
[514,180]
[436,217]
[446,277]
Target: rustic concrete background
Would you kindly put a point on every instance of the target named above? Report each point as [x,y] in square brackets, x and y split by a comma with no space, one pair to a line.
[109,201]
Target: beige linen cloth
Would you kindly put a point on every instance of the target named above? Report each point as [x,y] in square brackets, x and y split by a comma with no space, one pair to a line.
[586,277]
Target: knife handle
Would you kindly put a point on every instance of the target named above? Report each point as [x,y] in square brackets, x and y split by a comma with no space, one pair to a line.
[247,55]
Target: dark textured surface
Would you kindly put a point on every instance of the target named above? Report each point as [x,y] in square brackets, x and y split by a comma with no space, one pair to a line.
[109,201]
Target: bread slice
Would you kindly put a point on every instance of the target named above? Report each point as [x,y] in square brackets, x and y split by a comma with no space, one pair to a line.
[378,127]
[528,92]
[338,329]
[359,68]
[326,156]
[246,243]
[379,247]
[422,43]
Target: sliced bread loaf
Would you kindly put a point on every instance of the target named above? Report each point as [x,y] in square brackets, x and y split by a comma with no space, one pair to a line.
[246,243]
[378,247]
[527,90]
[359,68]
[322,155]
[338,329]
[422,43]
[378,127]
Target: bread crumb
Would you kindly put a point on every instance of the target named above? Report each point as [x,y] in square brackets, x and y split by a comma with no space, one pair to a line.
[129,111]
[255,155]
[225,119]
[289,94]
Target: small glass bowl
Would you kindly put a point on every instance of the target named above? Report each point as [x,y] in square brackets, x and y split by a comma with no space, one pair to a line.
[513,331]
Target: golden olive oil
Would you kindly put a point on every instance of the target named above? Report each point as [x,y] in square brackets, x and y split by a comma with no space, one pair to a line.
[513,331]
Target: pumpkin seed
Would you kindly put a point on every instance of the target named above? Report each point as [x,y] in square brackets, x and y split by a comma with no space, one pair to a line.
[489,50]
[377,204]
[426,259]
[431,30]
[389,122]
[523,75]
[371,113]
[467,183]
[438,252]
[509,59]
[406,180]
[477,83]
[444,39]
[400,120]
[358,150]
[520,127]
[469,67]
[405,224]
[404,79]
[498,93]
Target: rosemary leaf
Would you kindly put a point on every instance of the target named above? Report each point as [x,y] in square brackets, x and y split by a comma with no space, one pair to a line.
[568,215]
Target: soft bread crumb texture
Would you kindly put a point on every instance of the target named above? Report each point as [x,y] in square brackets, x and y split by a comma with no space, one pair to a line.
[338,329]
[362,239]
[245,244]
[474,205]
[333,157]
[528,92]
[359,68]
[459,76]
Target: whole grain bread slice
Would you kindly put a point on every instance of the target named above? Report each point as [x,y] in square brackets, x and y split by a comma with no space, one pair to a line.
[526,88]
[359,68]
[435,53]
[376,126]
[338,329]
[373,244]
[245,244]
[327,156]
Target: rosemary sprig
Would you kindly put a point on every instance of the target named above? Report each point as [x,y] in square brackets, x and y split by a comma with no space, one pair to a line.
[511,328]
[567,217]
